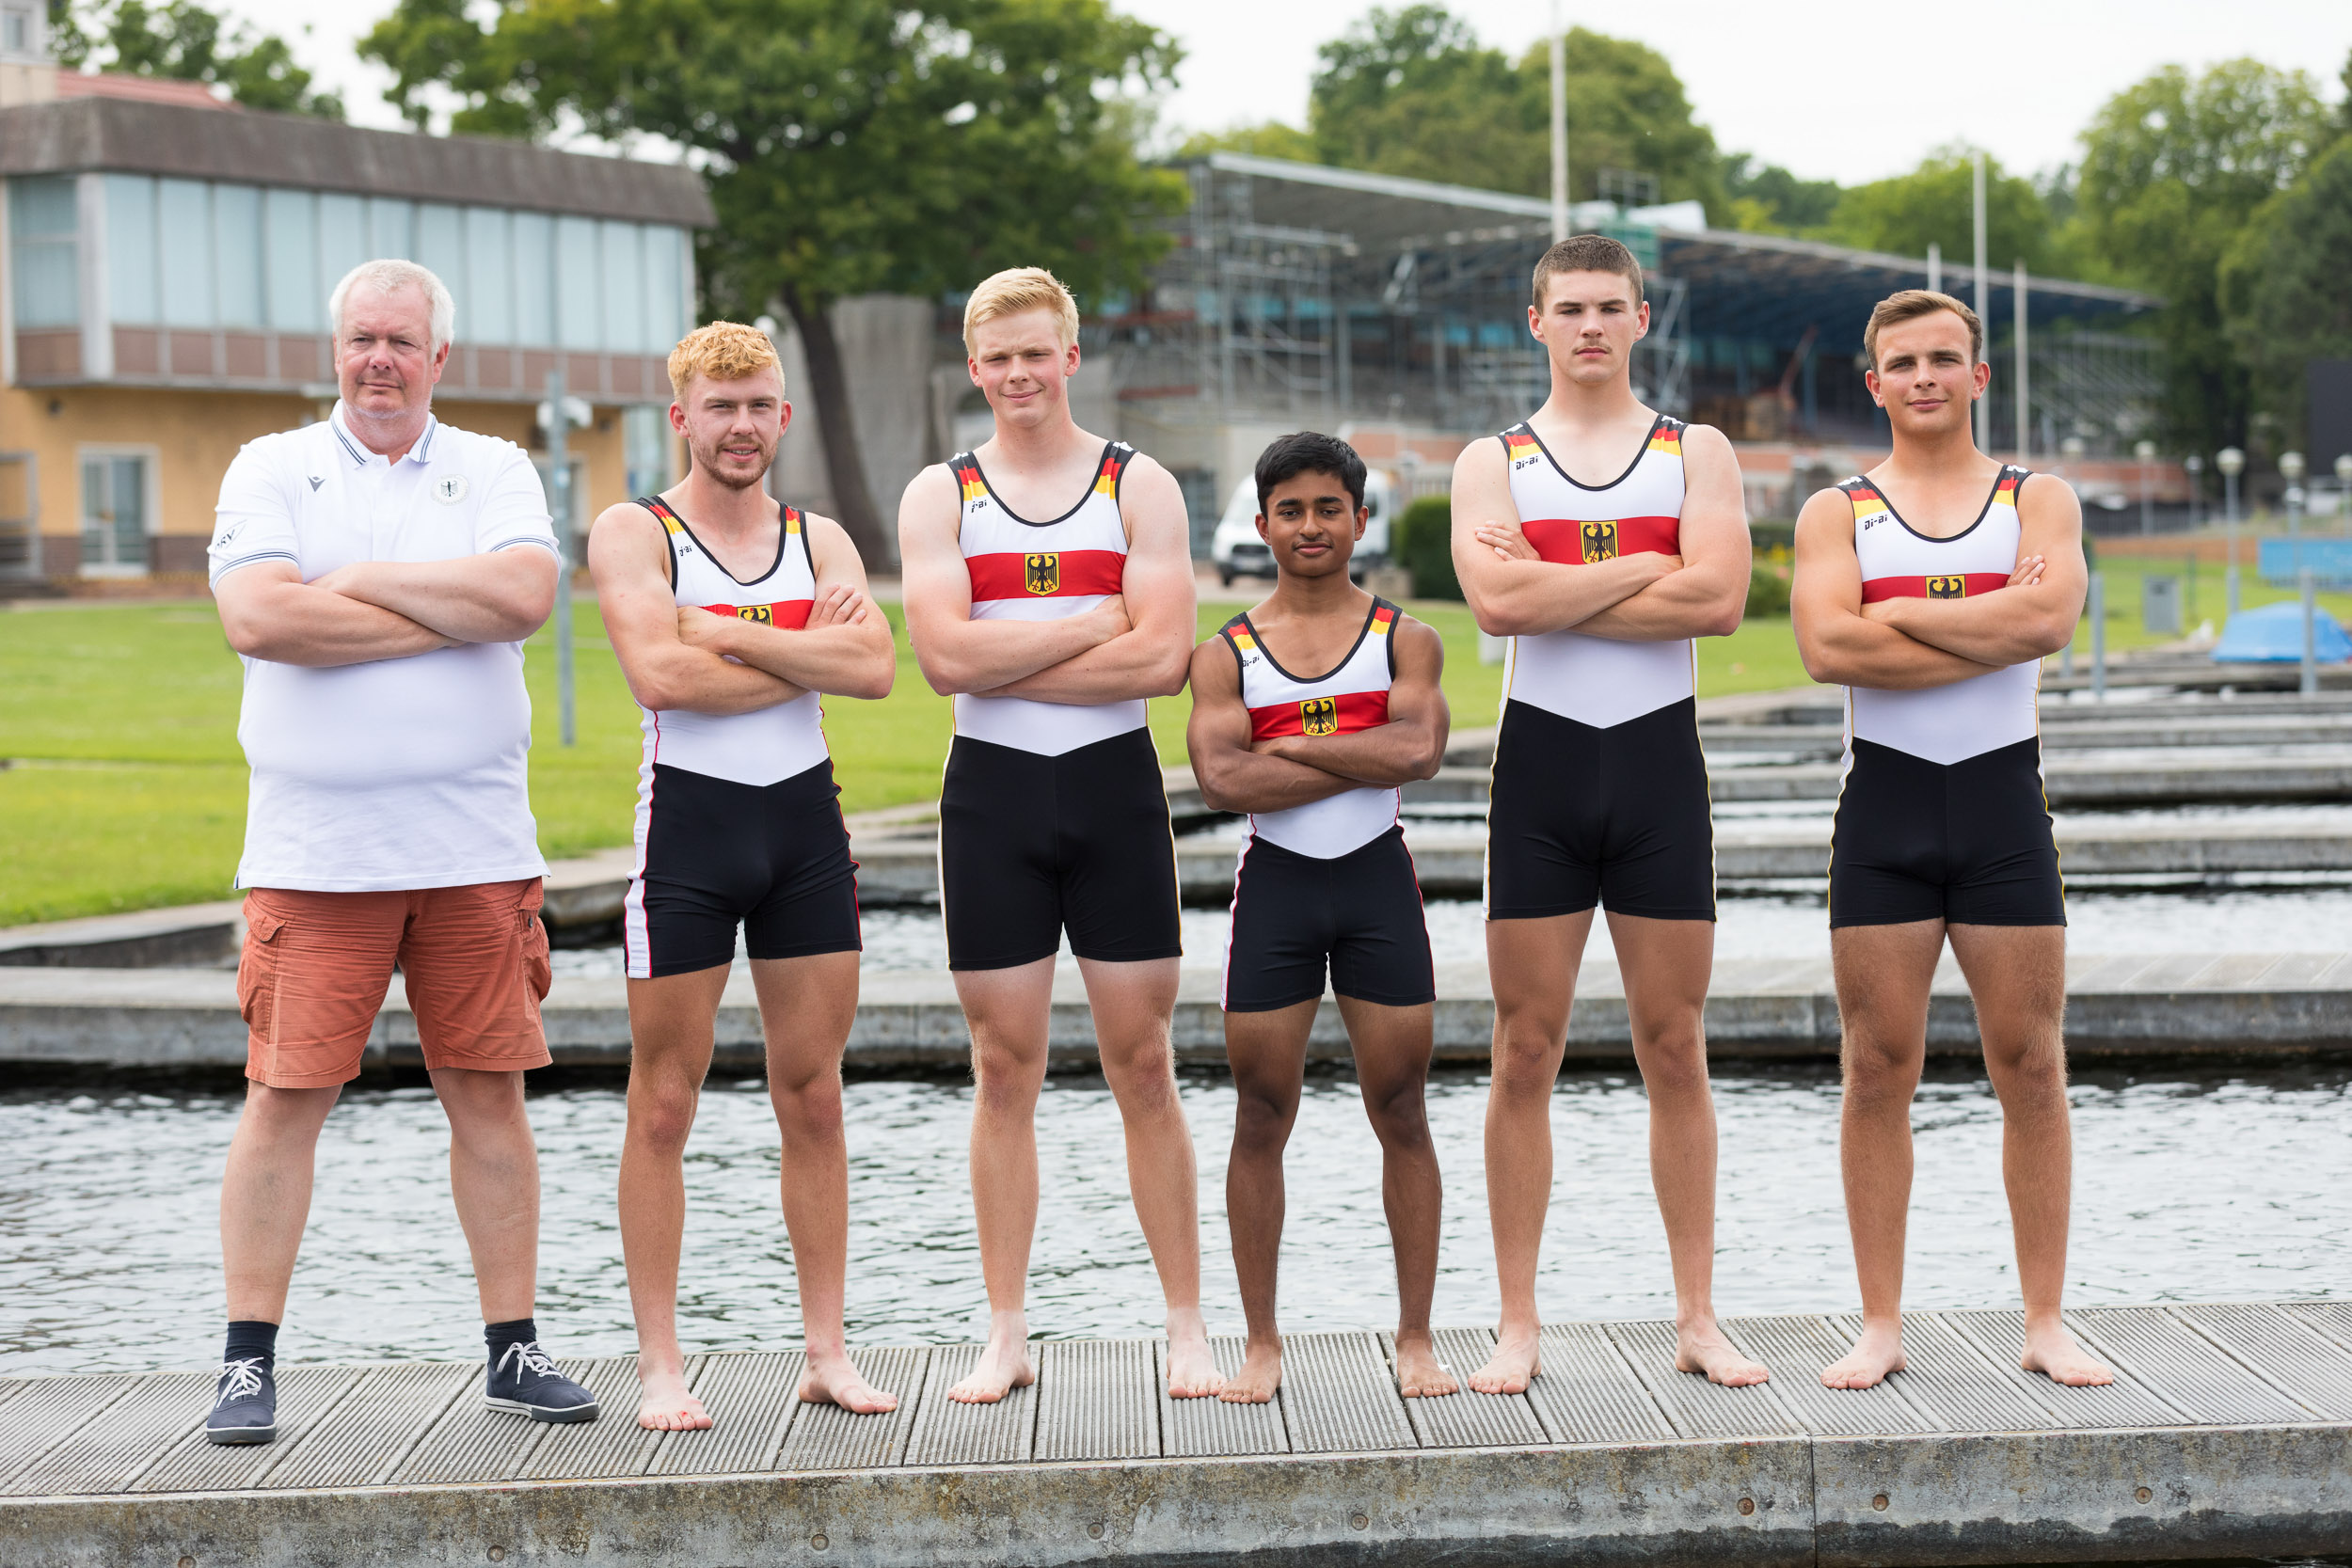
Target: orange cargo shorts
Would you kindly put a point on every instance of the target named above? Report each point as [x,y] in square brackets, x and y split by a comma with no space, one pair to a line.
[316,966]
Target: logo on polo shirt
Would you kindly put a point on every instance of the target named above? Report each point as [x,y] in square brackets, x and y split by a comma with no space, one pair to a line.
[315,482]
[450,489]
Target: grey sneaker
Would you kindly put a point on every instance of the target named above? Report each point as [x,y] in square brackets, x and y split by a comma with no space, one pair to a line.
[245,1404]
[523,1379]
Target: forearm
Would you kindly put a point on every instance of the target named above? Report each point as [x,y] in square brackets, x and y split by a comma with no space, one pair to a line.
[694,680]
[2007,626]
[1693,602]
[1864,652]
[850,659]
[1397,752]
[1137,663]
[988,655]
[1526,599]
[502,598]
[1243,781]
[294,623]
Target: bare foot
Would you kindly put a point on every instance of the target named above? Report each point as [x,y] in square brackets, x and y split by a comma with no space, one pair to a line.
[1700,1347]
[1419,1376]
[1516,1361]
[1876,1356]
[2052,1352]
[1003,1367]
[1192,1373]
[829,1379]
[1261,1374]
[666,1406]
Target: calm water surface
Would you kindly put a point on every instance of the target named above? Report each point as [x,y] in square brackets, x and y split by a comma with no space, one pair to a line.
[2185,1189]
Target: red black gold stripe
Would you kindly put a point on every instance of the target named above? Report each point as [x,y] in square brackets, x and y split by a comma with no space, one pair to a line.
[1045,575]
[1349,712]
[1958,585]
[1572,541]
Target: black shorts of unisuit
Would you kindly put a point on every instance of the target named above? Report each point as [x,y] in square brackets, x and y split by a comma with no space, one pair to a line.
[1030,846]
[771,857]
[1357,914]
[1967,842]
[1618,818]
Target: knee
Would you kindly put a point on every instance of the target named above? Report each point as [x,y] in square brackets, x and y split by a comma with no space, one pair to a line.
[811,1108]
[1399,1117]
[661,1120]
[1877,1074]
[1674,1066]
[2028,1059]
[1262,1120]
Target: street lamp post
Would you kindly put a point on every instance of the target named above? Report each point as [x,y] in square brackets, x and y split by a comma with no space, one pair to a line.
[2231,463]
[2344,482]
[2146,453]
[2291,469]
[2194,466]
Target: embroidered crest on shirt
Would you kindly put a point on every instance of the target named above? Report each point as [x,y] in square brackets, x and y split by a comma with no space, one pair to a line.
[450,489]
[1043,573]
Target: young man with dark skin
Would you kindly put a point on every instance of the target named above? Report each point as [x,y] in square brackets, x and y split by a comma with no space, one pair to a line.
[1601,537]
[1324,879]
[731,615]
[1050,624]
[1937,617]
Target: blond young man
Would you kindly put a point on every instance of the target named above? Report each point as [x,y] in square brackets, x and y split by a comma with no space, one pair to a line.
[1932,588]
[1601,537]
[732,616]
[1049,591]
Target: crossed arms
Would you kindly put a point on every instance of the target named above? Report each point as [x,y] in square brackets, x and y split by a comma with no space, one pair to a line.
[1238,774]
[1132,645]
[680,656]
[1908,644]
[374,610]
[1642,598]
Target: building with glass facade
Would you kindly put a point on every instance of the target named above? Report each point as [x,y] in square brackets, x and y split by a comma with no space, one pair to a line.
[165,270]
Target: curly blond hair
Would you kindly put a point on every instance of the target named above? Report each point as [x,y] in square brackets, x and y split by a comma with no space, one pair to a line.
[722,351]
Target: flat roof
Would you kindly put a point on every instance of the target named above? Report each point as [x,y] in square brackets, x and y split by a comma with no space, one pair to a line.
[120,135]
[1767,287]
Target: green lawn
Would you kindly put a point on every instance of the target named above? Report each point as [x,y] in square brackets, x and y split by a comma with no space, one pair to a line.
[127,788]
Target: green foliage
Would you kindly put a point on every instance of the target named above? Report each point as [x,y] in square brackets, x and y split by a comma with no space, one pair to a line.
[188,43]
[1272,139]
[2286,292]
[1422,541]
[1769,199]
[1411,92]
[2175,168]
[1768,590]
[1935,203]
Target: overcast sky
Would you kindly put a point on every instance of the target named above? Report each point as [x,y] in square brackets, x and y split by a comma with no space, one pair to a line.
[1848,90]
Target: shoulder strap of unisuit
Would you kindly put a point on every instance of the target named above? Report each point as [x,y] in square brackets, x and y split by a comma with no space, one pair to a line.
[672,525]
[1520,441]
[1384,616]
[1240,637]
[1116,456]
[1863,496]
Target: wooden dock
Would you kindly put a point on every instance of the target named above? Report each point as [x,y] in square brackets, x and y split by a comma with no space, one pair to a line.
[2228,1433]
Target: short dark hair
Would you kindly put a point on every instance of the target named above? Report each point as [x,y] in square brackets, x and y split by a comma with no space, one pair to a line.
[1909,305]
[1309,452]
[1587,253]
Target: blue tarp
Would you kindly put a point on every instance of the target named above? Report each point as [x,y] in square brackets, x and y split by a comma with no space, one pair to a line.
[2275,633]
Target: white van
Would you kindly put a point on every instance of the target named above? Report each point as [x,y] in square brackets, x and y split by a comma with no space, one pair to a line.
[1236,551]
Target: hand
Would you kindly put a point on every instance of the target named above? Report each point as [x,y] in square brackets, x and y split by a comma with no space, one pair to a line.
[1281,746]
[342,580]
[2028,572]
[1114,618]
[1883,612]
[1507,541]
[837,606]
[698,628]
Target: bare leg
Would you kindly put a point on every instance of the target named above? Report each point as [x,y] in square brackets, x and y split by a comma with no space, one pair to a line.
[1133,1003]
[1267,1052]
[1393,1049]
[2017,974]
[670,1037]
[265,1195]
[806,1006]
[1533,965]
[1008,1011]
[1665,965]
[494,1179]
[1884,973]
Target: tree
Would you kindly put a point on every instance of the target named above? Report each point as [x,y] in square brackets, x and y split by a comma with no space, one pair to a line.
[1272,139]
[1412,91]
[851,146]
[187,43]
[1936,203]
[2286,291]
[1770,201]
[2175,168]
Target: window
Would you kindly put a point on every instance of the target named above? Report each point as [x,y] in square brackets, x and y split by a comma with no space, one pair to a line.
[534,278]
[184,209]
[488,300]
[343,242]
[131,292]
[237,254]
[648,448]
[16,32]
[577,297]
[624,289]
[392,230]
[44,255]
[441,249]
[296,301]
[114,513]
[665,286]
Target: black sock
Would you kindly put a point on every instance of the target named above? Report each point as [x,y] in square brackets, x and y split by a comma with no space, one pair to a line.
[250,1338]
[522,1331]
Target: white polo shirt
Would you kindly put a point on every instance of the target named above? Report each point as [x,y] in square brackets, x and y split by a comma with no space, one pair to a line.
[400,772]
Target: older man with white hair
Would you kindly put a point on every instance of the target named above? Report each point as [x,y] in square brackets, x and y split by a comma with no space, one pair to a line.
[378,572]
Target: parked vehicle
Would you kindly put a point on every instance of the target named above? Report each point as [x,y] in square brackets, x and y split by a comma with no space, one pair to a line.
[1236,551]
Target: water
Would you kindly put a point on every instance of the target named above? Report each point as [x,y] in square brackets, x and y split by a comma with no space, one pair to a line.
[2185,1189]
[1788,925]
